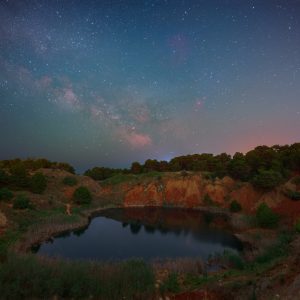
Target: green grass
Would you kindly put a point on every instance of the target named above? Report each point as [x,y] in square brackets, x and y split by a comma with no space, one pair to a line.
[123,178]
[117,179]
[8,239]
[171,284]
[29,277]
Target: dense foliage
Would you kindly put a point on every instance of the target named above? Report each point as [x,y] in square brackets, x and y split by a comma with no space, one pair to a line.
[21,202]
[5,194]
[82,195]
[266,217]
[42,279]
[235,206]
[32,165]
[70,181]
[101,173]
[20,174]
[264,166]
[38,183]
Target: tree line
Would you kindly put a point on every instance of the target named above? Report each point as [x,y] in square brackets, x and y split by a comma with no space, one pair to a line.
[263,166]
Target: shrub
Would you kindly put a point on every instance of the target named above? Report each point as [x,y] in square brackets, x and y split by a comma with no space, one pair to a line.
[235,206]
[38,183]
[3,177]
[267,179]
[233,260]
[171,284]
[70,181]
[82,195]
[21,202]
[297,226]
[207,200]
[293,195]
[296,180]
[19,176]
[5,194]
[266,217]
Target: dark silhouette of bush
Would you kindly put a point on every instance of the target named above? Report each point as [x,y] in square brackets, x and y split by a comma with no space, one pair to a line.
[38,183]
[208,201]
[70,181]
[19,176]
[293,195]
[266,217]
[101,173]
[4,178]
[136,168]
[21,202]
[267,179]
[235,206]
[5,194]
[82,195]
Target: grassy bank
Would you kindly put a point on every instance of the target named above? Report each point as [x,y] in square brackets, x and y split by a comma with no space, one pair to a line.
[27,276]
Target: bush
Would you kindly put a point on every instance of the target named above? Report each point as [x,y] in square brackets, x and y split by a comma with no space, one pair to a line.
[38,183]
[70,181]
[5,194]
[21,202]
[266,217]
[82,195]
[297,226]
[207,200]
[296,180]
[171,284]
[19,176]
[293,195]
[235,206]
[233,260]
[267,179]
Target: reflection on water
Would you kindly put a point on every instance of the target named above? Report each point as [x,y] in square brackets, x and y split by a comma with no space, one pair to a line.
[146,233]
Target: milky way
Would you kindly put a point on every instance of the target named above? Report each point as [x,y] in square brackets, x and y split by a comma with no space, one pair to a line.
[110,82]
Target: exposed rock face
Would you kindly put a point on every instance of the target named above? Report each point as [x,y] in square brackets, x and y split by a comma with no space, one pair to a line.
[187,191]
[191,191]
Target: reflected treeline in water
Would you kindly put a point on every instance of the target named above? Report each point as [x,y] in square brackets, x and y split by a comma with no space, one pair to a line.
[147,233]
[162,220]
[165,219]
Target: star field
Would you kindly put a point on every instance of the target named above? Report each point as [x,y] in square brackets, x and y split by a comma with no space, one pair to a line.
[111,82]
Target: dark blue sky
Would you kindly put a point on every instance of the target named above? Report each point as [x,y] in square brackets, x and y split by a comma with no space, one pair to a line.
[111,82]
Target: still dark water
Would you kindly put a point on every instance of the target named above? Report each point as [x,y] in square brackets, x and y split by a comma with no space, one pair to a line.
[147,233]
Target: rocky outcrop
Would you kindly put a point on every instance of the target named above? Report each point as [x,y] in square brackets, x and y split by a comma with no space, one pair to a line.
[193,190]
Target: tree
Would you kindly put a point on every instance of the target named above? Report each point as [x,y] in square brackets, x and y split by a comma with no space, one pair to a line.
[267,179]
[19,175]
[136,168]
[151,165]
[266,217]
[101,173]
[3,177]
[238,168]
[38,183]
[82,195]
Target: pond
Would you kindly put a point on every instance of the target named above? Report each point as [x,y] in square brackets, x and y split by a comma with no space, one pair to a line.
[147,233]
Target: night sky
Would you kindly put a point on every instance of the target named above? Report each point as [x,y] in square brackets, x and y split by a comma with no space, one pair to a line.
[110,82]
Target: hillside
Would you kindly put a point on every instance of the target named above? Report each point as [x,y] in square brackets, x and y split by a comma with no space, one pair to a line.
[54,210]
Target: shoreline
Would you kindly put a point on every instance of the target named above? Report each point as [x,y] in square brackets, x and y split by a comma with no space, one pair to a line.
[43,232]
